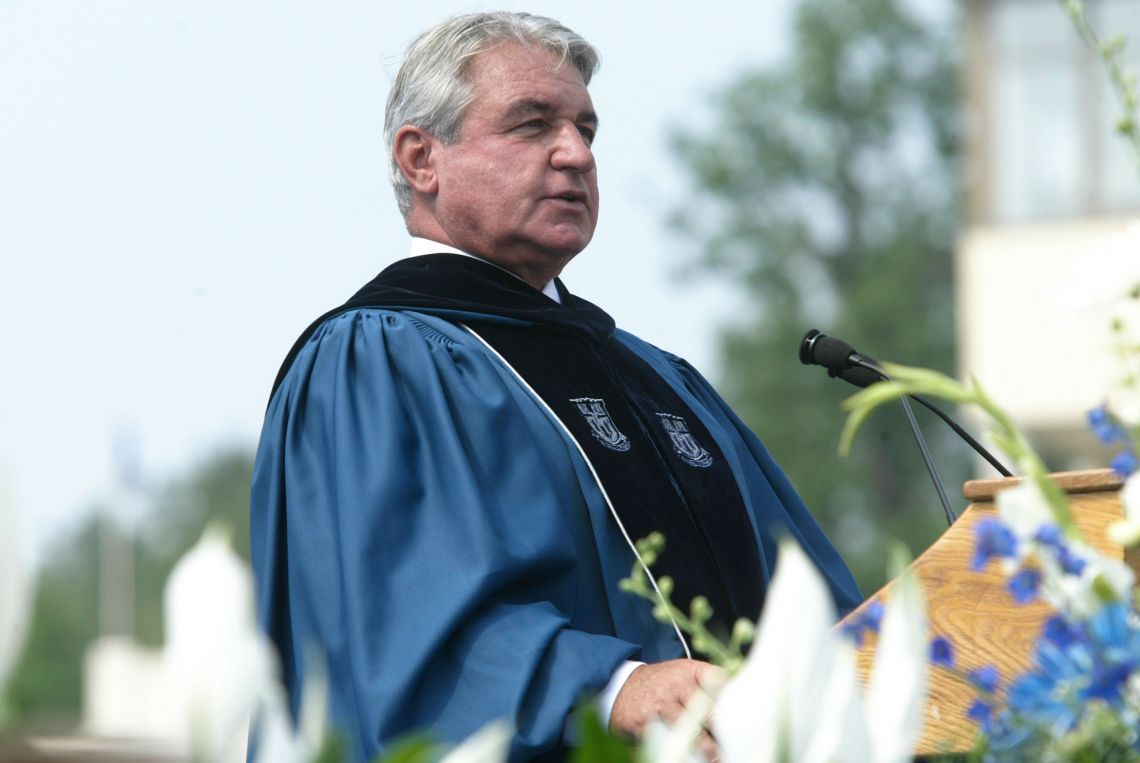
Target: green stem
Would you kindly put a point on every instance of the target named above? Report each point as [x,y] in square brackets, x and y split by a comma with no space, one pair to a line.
[1111,54]
[728,656]
[917,381]
[1031,464]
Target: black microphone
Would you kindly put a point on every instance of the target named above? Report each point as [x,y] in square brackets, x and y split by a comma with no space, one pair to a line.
[860,376]
[843,362]
[837,357]
[819,349]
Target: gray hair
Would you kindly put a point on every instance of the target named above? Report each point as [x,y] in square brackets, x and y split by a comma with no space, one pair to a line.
[432,89]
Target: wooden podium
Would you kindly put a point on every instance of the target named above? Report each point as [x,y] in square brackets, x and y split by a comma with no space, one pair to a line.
[976,612]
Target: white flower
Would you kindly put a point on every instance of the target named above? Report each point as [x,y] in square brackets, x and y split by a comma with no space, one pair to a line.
[797,698]
[772,709]
[1126,532]
[218,663]
[488,745]
[1076,595]
[277,740]
[1124,394]
[14,587]
[1024,510]
[1124,400]
[898,682]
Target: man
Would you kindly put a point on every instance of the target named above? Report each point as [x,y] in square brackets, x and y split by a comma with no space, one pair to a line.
[456,463]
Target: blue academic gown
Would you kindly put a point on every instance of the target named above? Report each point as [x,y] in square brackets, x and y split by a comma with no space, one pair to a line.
[424,523]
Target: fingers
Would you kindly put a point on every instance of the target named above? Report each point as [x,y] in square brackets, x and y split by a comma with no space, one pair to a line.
[657,690]
[706,745]
[711,677]
[671,713]
[664,691]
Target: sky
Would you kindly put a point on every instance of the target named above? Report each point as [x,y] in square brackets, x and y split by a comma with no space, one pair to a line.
[184,186]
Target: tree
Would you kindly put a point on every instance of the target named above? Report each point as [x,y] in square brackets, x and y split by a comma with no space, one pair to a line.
[46,686]
[827,194]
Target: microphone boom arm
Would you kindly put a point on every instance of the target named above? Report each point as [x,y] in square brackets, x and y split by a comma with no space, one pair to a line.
[935,477]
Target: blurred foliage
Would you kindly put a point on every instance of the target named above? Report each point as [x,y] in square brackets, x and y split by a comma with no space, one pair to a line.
[217,491]
[596,743]
[46,684]
[826,193]
[46,687]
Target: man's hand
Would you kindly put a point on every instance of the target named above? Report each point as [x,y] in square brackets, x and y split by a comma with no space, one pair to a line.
[661,691]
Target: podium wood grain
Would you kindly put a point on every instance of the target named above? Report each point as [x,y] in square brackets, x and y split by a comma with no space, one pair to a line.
[975,611]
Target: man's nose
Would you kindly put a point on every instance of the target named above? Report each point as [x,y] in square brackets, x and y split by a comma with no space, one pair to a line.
[571,151]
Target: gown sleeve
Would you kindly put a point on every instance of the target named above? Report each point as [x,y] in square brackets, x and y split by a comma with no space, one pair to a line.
[412,524]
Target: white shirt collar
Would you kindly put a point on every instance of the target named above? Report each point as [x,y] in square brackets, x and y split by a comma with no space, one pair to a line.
[422,246]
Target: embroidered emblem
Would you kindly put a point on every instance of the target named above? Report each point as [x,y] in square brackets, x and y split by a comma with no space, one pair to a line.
[602,427]
[684,445]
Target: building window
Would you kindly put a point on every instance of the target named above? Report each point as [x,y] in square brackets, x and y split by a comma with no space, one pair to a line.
[1050,151]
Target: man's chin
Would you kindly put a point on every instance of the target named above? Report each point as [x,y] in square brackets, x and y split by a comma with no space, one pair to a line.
[565,243]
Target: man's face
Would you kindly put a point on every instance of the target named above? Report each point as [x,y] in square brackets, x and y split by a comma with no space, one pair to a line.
[519,186]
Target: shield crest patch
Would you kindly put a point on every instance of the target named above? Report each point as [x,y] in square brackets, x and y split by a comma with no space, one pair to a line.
[602,427]
[687,448]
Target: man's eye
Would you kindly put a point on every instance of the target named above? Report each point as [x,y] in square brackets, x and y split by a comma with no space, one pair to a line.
[587,134]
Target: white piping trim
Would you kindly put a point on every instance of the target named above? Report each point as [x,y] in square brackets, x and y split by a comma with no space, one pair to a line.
[593,473]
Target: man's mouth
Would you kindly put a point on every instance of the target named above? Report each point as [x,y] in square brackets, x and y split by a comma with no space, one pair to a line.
[570,196]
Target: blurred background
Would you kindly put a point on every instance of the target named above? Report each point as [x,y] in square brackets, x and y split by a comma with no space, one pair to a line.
[184,186]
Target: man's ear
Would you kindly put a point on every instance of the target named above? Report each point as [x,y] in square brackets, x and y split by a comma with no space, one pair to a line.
[413,150]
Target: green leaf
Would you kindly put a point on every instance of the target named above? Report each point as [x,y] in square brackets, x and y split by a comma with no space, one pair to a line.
[416,748]
[898,560]
[1104,590]
[333,750]
[598,745]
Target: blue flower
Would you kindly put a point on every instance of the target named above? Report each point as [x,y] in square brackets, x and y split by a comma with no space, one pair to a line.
[1061,632]
[873,616]
[1036,697]
[982,714]
[869,619]
[1075,662]
[1011,741]
[1110,631]
[942,652]
[1024,584]
[1070,562]
[854,631]
[1048,535]
[992,538]
[1064,666]
[1116,654]
[1125,463]
[1048,695]
[1103,426]
[1107,681]
[985,678]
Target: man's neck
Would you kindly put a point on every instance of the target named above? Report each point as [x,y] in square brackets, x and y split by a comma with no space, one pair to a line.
[421,245]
